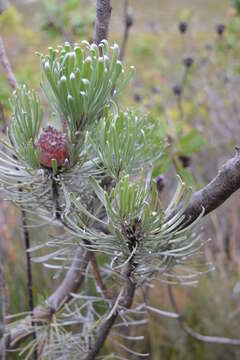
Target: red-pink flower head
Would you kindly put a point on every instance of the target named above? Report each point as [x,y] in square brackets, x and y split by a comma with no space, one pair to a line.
[53,145]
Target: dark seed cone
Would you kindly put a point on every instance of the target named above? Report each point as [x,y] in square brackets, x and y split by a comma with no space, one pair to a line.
[177,89]
[53,145]
[182,26]
[220,28]
[137,97]
[188,61]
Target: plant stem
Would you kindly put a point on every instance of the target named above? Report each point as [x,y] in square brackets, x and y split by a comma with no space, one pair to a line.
[28,261]
[5,303]
[128,22]
[7,66]
[98,277]
[127,300]
[103,15]
[55,199]
[29,271]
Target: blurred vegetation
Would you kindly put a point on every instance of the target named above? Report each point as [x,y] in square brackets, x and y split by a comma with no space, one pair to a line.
[195,106]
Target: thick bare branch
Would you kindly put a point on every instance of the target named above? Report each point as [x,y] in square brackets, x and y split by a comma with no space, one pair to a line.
[126,302]
[103,334]
[72,281]
[103,15]
[217,191]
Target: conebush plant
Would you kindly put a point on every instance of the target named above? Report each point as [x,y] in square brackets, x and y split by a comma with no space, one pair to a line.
[92,175]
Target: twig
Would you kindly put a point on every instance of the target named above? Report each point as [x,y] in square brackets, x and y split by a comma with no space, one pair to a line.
[28,259]
[5,310]
[128,22]
[103,14]
[98,277]
[29,270]
[55,199]
[7,66]
[179,94]
[195,334]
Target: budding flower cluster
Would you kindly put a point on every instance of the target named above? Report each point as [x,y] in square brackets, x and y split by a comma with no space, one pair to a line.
[53,146]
